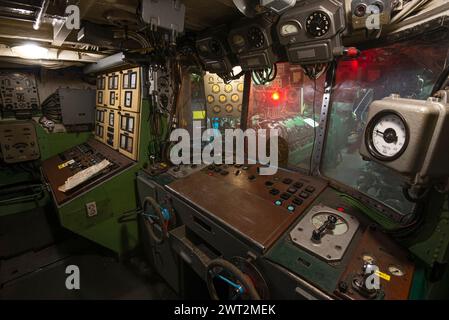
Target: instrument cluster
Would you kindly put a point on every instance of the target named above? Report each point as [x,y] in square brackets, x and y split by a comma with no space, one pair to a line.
[251,40]
[308,33]
[214,51]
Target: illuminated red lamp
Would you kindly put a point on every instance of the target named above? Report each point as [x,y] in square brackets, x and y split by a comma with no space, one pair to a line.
[275,96]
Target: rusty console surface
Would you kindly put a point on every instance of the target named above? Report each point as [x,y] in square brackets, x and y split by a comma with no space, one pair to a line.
[256,208]
[59,168]
[395,267]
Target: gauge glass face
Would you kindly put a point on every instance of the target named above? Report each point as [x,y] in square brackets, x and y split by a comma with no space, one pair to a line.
[239,108]
[289,29]
[210,98]
[318,24]
[388,136]
[235,98]
[341,227]
[229,108]
[228,88]
[223,98]
[238,40]
[203,48]
[215,88]
[217,109]
[396,271]
[215,47]
[240,87]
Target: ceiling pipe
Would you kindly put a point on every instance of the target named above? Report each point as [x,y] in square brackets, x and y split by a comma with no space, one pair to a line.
[40,14]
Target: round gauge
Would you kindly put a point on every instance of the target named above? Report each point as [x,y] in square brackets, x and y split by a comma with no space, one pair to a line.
[222,98]
[341,227]
[215,47]
[256,37]
[235,98]
[211,79]
[396,271]
[228,88]
[238,40]
[240,87]
[229,108]
[239,108]
[210,98]
[217,109]
[215,88]
[367,258]
[318,24]
[376,8]
[203,49]
[387,136]
[289,29]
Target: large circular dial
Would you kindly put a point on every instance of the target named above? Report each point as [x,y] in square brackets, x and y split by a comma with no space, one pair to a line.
[318,24]
[387,136]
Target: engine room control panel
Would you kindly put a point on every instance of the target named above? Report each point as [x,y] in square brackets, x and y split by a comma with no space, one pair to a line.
[117,112]
[246,198]
[343,255]
[18,141]
[19,94]
[91,163]
[312,31]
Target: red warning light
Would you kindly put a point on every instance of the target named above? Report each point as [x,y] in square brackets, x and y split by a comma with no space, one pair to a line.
[276,96]
[341,209]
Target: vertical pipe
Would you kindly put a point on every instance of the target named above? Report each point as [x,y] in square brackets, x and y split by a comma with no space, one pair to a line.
[40,14]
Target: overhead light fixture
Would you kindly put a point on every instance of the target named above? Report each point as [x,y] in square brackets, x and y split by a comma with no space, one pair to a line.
[30,51]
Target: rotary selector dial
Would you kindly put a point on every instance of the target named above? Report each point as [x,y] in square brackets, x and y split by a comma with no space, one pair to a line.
[256,37]
[318,24]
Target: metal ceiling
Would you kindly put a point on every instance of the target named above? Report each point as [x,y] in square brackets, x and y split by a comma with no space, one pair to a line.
[40,21]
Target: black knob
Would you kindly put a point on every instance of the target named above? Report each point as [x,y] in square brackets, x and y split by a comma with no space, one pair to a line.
[316,235]
[343,286]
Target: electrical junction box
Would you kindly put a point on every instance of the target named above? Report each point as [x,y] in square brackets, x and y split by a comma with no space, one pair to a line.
[409,136]
[167,14]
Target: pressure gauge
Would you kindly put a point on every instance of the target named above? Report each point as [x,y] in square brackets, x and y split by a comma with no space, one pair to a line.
[217,109]
[289,29]
[318,24]
[341,226]
[228,88]
[216,88]
[387,136]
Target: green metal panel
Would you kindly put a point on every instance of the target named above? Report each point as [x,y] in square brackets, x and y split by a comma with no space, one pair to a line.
[115,226]
[50,144]
[53,143]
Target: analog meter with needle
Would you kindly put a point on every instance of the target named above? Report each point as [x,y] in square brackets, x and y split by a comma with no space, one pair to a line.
[387,136]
